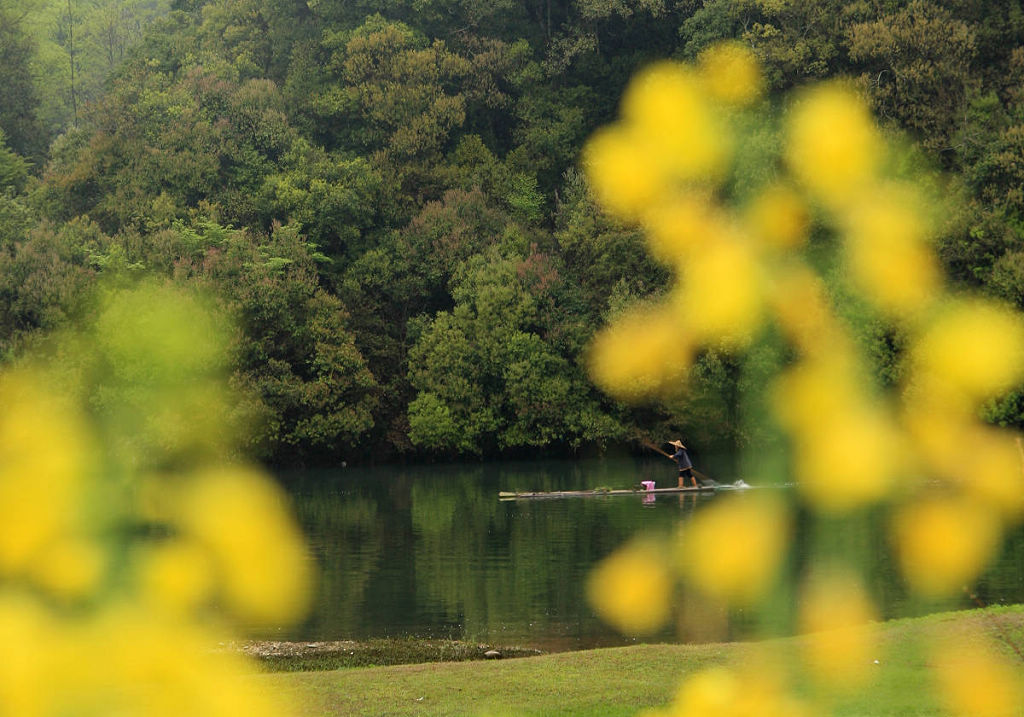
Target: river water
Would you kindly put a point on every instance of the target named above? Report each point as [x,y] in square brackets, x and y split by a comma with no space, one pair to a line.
[431,551]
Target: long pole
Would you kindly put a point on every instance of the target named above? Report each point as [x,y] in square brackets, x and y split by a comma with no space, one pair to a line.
[696,472]
[656,449]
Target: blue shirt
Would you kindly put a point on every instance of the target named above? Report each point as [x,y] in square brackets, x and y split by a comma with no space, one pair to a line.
[682,458]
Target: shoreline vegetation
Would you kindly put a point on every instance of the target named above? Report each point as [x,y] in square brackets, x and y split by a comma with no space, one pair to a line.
[624,680]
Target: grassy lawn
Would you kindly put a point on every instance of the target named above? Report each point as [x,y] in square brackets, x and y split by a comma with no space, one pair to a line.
[620,681]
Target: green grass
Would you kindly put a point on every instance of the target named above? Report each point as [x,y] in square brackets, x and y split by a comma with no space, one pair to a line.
[620,681]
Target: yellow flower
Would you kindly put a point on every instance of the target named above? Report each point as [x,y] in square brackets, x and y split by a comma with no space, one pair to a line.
[709,692]
[778,217]
[28,672]
[665,105]
[678,226]
[977,682]
[731,73]
[623,175]
[888,254]
[834,612]
[833,146]
[70,568]
[937,423]
[643,355]
[632,589]
[732,549]
[43,459]
[721,296]
[974,347]
[802,309]
[848,459]
[155,665]
[176,576]
[995,473]
[944,543]
[757,691]
[817,389]
[240,515]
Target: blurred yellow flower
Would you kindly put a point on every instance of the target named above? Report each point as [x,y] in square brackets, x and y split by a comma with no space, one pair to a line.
[240,515]
[720,692]
[70,568]
[833,147]
[975,347]
[176,576]
[977,682]
[937,427]
[660,166]
[665,105]
[994,475]
[92,637]
[709,692]
[632,589]
[43,459]
[681,224]
[732,549]
[731,73]
[944,543]
[848,459]
[642,355]
[623,175]
[721,295]
[834,613]
[888,253]
[158,666]
[778,217]
[27,673]
[801,305]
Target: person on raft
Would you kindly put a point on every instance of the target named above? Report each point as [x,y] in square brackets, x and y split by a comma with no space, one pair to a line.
[685,464]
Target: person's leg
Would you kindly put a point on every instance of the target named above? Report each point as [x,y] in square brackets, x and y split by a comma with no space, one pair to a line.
[681,474]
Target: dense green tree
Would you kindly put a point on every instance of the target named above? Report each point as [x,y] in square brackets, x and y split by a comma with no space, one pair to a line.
[796,41]
[19,96]
[917,60]
[255,36]
[44,274]
[498,371]
[295,350]
[156,147]
[13,168]
[607,260]
[390,90]
[335,200]
[385,192]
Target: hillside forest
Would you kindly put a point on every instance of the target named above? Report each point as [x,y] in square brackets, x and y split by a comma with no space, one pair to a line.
[386,195]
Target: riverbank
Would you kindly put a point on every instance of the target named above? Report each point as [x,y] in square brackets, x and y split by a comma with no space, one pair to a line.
[622,681]
[278,656]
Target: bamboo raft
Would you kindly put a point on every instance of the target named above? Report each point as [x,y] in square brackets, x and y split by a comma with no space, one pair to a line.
[507,495]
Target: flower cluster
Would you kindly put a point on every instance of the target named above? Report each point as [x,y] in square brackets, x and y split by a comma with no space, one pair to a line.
[131,542]
[746,251]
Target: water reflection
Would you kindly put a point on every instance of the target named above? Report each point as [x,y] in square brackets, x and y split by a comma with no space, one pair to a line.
[432,552]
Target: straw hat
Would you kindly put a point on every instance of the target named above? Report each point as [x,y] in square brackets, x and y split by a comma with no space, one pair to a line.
[677,444]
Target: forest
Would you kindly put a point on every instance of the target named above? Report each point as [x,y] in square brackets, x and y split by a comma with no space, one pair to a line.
[386,195]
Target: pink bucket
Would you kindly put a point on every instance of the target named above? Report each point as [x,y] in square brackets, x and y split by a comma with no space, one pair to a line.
[647,484]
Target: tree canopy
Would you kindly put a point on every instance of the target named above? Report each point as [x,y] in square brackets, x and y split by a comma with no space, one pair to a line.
[386,194]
